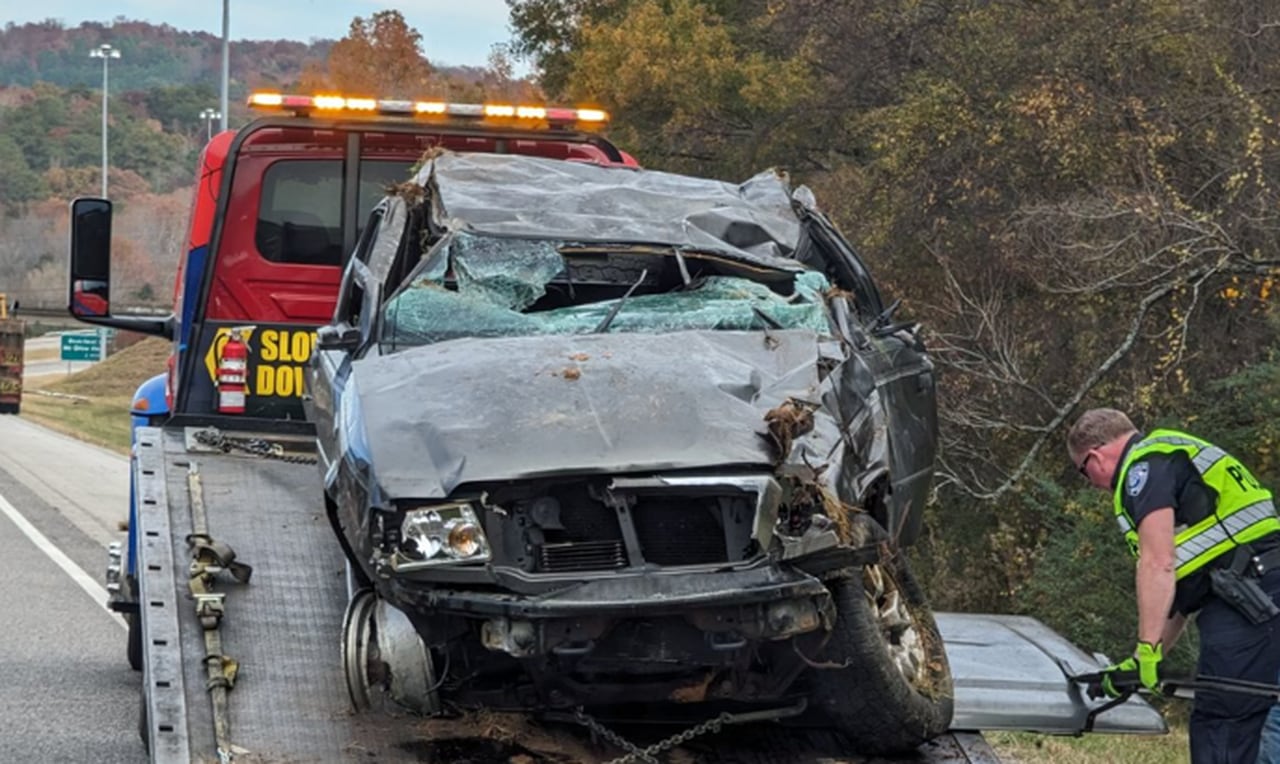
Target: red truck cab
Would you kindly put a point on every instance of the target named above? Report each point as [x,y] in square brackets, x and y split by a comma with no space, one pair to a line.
[277,207]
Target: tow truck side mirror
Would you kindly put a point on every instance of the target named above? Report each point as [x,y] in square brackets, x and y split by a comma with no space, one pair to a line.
[89,292]
[90,258]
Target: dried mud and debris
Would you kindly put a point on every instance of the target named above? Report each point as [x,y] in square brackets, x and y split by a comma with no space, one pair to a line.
[493,738]
[487,737]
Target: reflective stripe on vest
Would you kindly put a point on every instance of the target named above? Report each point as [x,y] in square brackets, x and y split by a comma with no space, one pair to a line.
[1244,511]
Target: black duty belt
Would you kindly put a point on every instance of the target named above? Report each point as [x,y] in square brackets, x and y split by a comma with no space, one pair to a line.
[1261,562]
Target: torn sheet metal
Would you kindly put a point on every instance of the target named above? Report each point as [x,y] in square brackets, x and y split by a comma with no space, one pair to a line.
[1011,673]
[553,199]
[394,215]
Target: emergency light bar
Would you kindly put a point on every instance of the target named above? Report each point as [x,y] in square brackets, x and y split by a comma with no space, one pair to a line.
[338,105]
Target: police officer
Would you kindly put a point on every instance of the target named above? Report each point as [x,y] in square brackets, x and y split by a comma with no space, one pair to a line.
[1207,541]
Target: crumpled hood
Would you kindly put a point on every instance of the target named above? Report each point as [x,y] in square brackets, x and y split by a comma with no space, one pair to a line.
[476,410]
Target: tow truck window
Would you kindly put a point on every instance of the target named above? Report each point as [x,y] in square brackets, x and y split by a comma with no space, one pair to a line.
[300,212]
[376,176]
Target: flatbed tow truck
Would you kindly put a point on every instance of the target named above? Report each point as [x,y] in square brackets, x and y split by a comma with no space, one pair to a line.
[242,652]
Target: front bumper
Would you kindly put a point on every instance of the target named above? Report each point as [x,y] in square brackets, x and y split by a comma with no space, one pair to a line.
[727,609]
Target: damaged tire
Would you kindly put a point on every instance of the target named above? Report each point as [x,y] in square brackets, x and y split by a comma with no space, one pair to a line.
[883,679]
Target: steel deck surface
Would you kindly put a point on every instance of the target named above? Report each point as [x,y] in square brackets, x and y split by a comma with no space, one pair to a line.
[290,703]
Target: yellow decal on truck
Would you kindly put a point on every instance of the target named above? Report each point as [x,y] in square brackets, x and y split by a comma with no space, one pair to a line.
[280,361]
[277,359]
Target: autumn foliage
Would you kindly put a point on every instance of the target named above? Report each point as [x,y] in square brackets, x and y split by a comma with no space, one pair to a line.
[50,134]
[381,56]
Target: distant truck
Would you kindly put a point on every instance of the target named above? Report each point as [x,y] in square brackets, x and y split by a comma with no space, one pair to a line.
[12,338]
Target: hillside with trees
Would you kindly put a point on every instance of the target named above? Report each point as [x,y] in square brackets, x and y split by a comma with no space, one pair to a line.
[51,112]
[152,56]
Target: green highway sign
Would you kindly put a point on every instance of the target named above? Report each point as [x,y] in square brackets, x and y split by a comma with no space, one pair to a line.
[81,347]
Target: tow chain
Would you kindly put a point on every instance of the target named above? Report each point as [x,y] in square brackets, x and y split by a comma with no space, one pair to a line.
[713,725]
[214,438]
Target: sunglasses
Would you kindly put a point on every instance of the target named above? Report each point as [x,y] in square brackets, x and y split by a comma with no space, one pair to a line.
[1084,465]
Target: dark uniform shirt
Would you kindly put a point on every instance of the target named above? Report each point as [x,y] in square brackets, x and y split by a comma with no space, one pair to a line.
[1170,480]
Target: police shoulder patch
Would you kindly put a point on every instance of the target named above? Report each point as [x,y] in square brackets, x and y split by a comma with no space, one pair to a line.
[1136,478]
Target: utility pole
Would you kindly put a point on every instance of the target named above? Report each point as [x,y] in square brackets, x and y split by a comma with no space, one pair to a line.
[208,115]
[226,63]
[106,53]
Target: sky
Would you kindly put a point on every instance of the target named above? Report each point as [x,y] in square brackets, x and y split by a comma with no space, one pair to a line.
[454,32]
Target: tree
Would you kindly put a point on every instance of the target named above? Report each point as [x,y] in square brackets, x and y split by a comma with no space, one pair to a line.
[21,183]
[380,57]
[1085,200]
[498,81]
[687,96]
[547,32]
[178,108]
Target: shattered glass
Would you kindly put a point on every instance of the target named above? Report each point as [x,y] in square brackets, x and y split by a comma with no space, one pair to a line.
[511,274]
[497,279]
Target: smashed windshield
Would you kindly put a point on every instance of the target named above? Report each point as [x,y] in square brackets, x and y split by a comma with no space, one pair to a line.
[477,286]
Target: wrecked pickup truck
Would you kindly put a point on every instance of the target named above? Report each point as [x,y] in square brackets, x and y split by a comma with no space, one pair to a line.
[631,442]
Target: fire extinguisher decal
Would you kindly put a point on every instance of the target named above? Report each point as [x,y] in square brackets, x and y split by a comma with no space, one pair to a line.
[233,371]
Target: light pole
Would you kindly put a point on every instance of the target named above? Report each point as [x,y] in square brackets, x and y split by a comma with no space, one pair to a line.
[226,63]
[208,115]
[106,53]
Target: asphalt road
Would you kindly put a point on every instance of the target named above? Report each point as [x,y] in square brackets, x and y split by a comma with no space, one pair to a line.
[68,694]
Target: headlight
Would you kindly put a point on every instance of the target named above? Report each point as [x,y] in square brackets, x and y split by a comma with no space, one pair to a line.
[464,539]
[440,535]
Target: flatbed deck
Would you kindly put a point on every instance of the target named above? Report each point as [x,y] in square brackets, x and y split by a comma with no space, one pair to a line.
[284,628]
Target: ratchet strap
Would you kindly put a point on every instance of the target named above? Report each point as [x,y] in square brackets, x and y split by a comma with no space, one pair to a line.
[208,558]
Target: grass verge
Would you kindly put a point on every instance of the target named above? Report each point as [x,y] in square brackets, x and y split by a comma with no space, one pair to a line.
[1027,748]
[99,412]
[43,354]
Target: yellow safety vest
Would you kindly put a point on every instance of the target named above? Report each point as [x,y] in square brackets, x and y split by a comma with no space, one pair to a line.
[1244,511]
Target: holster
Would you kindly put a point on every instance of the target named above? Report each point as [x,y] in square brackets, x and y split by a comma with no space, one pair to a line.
[1237,585]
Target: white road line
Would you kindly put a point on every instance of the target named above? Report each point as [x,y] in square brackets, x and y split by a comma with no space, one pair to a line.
[86,582]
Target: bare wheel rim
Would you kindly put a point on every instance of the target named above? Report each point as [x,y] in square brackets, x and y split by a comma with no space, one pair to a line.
[357,641]
[901,634]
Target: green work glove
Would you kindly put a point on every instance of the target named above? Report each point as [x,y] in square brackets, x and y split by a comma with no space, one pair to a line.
[1143,665]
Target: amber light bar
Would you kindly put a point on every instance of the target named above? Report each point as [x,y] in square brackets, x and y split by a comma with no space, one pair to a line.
[521,114]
